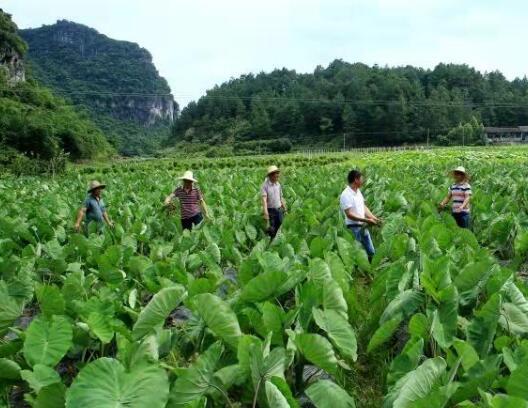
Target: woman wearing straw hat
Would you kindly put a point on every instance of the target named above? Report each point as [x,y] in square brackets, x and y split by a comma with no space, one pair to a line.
[273,205]
[460,193]
[93,208]
[191,201]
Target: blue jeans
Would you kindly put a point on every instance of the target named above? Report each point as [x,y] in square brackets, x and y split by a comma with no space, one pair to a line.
[363,237]
[462,219]
[187,223]
[276,215]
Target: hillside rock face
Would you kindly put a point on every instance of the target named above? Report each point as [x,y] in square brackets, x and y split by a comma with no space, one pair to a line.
[109,77]
[12,64]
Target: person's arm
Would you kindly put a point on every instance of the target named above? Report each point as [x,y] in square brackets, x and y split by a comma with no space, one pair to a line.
[265,206]
[467,198]
[370,215]
[80,217]
[283,203]
[169,199]
[107,219]
[204,207]
[444,202]
[351,215]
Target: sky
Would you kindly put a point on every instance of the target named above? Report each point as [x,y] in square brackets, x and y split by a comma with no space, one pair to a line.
[199,43]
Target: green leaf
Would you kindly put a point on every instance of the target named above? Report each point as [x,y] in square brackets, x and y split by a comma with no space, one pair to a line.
[517,385]
[339,331]
[50,300]
[275,397]
[317,350]
[481,330]
[40,377]
[445,317]
[333,298]
[157,310]
[197,380]
[9,370]
[100,327]
[47,341]
[219,317]
[272,317]
[263,286]
[283,387]
[10,308]
[326,394]
[513,319]
[404,304]
[104,383]
[419,326]
[52,396]
[507,401]
[406,361]
[266,364]
[416,384]
[467,353]
[383,333]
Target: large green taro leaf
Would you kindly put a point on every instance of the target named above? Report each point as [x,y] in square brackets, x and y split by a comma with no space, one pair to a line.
[157,310]
[47,341]
[326,394]
[339,331]
[105,383]
[219,317]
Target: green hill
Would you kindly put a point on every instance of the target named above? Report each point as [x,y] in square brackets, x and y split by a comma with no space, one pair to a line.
[109,78]
[368,105]
[33,122]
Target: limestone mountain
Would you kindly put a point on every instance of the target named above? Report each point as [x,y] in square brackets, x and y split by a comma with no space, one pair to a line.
[115,80]
[36,126]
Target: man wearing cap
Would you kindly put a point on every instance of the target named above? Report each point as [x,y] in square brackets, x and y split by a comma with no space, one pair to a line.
[93,208]
[273,204]
[357,214]
[191,201]
[460,193]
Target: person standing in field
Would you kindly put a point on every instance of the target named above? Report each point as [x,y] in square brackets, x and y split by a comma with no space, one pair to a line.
[460,193]
[357,214]
[273,204]
[191,199]
[93,209]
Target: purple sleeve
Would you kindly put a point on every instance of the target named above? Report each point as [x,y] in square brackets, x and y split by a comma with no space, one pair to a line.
[264,190]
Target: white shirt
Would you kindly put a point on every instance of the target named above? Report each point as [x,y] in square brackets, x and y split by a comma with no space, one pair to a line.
[354,201]
[272,192]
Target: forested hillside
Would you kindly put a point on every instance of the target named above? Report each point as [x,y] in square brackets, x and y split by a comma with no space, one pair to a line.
[33,122]
[115,80]
[370,105]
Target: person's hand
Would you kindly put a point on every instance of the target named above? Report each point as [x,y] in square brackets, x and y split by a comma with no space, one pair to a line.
[111,224]
[266,216]
[77,227]
[441,206]
[372,221]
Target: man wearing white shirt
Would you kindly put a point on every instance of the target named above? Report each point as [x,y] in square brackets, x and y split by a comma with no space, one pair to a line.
[357,214]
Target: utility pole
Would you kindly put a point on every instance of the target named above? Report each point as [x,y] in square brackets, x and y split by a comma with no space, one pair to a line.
[463,136]
[344,141]
[428,138]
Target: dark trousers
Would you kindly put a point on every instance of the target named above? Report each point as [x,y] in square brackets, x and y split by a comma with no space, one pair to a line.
[276,215]
[462,219]
[187,223]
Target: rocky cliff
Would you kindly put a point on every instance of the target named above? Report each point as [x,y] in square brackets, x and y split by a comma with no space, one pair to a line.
[109,77]
[12,49]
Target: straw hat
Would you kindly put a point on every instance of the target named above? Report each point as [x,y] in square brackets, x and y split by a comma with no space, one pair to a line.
[459,169]
[188,175]
[95,184]
[272,169]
